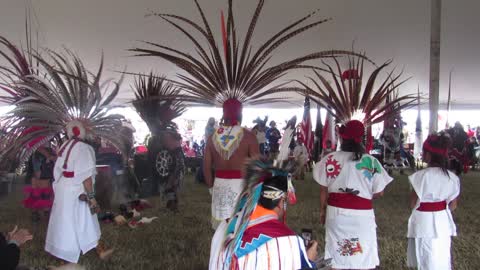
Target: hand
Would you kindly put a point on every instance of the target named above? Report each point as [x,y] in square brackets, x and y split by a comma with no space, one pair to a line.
[94,206]
[210,190]
[312,251]
[19,236]
[322,218]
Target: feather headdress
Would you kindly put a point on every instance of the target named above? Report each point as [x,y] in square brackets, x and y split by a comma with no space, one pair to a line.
[18,65]
[348,98]
[158,102]
[62,93]
[237,71]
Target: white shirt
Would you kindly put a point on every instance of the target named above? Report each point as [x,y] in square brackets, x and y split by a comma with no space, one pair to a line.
[433,185]
[300,152]
[338,171]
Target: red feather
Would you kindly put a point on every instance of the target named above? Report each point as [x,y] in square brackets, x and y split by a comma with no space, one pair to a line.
[224,35]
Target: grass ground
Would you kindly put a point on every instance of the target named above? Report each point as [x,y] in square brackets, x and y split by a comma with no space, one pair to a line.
[182,241]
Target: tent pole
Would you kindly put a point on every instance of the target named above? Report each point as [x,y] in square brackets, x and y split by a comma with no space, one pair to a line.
[436,15]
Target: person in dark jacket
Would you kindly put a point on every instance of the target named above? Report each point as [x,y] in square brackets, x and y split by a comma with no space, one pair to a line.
[10,247]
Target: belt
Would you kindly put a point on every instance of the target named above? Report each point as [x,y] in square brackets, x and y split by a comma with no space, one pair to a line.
[228,174]
[349,201]
[432,206]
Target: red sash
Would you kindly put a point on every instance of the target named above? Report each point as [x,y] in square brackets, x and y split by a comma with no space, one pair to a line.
[68,174]
[432,206]
[228,174]
[349,201]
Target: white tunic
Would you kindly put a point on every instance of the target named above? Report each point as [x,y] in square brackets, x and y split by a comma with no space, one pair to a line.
[430,233]
[432,185]
[351,239]
[72,228]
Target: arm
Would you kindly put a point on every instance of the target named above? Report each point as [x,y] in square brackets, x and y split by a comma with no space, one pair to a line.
[88,185]
[413,199]
[323,203]
[207,164]
[453,204]
[377,195]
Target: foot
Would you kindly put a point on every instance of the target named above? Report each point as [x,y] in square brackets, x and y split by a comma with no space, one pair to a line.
[103,252]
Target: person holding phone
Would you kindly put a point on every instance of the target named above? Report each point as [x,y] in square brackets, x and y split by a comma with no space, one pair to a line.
[260,239]
[349,180]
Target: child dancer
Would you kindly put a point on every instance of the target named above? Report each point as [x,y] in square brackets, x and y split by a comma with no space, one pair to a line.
[434,195]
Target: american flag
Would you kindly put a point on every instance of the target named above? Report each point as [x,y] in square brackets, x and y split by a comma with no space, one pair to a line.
[306,133]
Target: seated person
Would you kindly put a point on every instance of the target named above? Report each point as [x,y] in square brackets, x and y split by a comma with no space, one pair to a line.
[256,236]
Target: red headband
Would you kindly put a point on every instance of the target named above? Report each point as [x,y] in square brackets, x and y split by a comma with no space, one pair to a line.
[427,146]
[350,74]
[232,109]
[353,130]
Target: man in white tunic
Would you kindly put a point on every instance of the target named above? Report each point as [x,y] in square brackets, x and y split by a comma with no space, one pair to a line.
[349,181]
[73,227]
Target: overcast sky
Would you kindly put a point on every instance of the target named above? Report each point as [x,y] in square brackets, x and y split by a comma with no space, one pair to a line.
[384,29]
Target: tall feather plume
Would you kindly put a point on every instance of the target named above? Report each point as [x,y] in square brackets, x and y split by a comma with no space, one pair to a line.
[244,72]
[62,91]
[158,102]
[348,98]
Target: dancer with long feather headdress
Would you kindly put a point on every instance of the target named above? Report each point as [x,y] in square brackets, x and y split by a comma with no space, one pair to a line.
[232,77]
[158,102]
[66,101]
[350,178]
[39,195]
[255,237]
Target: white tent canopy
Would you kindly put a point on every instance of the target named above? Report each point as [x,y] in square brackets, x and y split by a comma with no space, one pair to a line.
[384,29]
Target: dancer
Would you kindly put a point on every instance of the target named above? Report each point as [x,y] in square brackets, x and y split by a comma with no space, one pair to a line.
[226,152]
[231,76]
[40,193]
[349,179]
[435,194]
[158,102]
[267,242]
[256,237]
[67,98]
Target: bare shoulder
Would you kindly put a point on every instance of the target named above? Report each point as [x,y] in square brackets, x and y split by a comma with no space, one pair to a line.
[248,134]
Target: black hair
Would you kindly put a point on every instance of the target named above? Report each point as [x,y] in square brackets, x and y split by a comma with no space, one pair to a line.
[349,145]
[279,182]
[437,160]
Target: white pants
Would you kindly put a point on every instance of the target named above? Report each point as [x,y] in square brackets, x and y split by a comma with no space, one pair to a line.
[225,195]
[429,253]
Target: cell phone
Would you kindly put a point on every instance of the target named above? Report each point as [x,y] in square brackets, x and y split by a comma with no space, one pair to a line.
[307,235]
